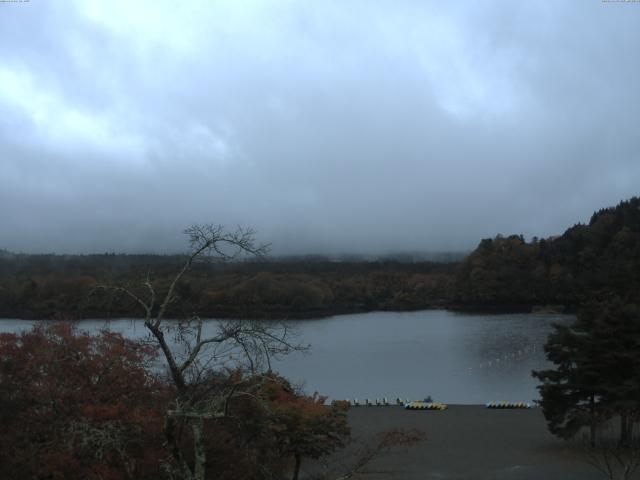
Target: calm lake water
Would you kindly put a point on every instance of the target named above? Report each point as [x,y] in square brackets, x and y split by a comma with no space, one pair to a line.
[453,357]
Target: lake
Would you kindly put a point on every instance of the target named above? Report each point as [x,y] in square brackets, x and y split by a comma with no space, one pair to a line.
[453,357]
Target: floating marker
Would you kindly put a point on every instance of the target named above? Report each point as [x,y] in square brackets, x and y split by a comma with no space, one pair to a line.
[425,406]
[508,405]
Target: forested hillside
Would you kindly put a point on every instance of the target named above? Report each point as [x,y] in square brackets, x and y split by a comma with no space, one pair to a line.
[504,273]
[49,286]
[597,259]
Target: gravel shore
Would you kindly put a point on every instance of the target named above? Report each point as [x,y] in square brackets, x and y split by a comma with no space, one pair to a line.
[472,442]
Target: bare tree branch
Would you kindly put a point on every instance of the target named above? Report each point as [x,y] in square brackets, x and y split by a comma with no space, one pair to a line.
[197,371]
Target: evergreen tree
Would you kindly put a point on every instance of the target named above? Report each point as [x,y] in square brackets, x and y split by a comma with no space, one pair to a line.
[571,393]
[597,373]
[616,328]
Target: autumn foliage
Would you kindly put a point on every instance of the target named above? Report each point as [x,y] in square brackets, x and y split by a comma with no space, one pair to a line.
[80,406]
[303,426]
[75,405]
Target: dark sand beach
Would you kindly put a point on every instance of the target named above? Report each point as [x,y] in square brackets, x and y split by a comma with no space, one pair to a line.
[472,442]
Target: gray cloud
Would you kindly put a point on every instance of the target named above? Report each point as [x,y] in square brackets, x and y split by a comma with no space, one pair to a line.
[329,126]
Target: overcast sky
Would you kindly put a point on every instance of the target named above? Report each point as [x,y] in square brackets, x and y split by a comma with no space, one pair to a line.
[329,126]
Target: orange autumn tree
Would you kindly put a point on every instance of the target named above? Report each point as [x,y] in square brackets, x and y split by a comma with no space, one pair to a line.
[304,426]
[77,406]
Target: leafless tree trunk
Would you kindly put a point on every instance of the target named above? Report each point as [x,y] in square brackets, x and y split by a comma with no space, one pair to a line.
[250,343]
[296,468]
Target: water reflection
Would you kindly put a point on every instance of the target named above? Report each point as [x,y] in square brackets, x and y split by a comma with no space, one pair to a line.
[455,358]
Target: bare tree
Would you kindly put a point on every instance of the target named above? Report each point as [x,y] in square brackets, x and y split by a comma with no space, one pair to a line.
[614,461]
[196,360]
[363,452]
[384,443]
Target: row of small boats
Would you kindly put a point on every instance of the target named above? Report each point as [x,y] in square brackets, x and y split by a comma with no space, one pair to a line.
[428,404]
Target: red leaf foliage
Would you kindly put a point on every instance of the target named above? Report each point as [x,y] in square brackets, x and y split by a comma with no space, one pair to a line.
[75,405]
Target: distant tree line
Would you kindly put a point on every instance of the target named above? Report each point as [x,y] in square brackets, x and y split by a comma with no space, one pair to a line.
[503,273]
[52,286]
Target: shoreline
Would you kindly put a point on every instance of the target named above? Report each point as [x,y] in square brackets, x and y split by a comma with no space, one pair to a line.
[225,314]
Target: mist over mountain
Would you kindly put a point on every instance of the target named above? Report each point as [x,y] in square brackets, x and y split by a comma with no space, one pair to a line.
[362,129]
